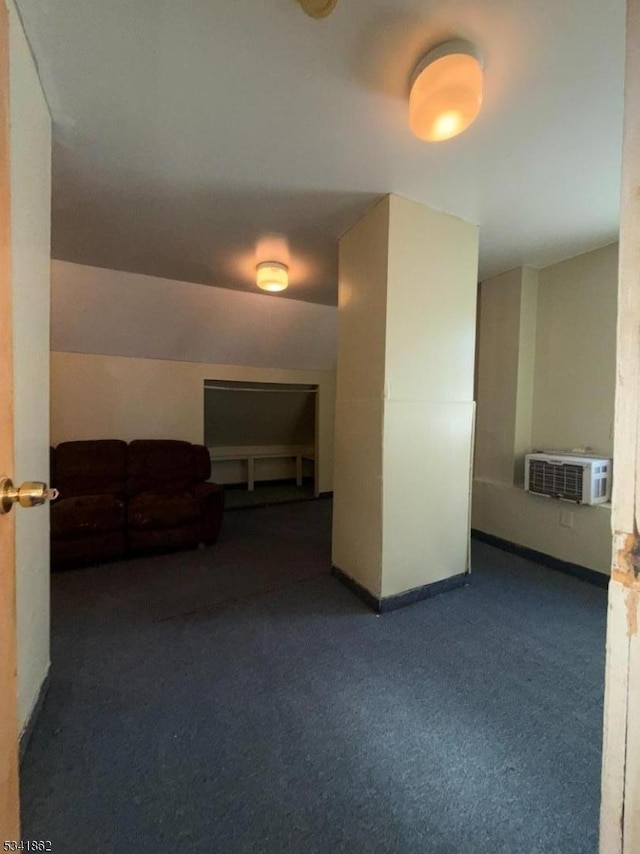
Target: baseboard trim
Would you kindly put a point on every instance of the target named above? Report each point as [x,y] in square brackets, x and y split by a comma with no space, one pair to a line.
[27,729]
[591,576]
[276,481]
[262,505]
[400,600]
[352,585]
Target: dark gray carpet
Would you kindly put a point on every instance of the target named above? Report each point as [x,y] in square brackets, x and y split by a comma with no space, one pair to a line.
[238,497]
[239,699]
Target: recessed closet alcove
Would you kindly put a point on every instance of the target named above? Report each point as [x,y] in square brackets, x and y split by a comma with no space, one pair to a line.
[261,432]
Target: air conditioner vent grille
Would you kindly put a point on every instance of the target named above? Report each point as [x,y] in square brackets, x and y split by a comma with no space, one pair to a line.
[569,477]
[560,481]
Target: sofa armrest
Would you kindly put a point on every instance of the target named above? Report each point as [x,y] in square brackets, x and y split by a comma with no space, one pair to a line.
[210,496]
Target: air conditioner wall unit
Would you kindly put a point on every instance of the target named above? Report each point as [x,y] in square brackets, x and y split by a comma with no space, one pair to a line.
[581,479]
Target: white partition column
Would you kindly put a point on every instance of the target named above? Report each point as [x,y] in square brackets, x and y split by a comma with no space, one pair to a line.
[404,404]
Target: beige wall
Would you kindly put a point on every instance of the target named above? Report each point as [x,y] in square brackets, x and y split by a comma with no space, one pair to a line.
[576,354]
[507,511]
[30,251]
[529,286]
[505,374]
[429,407]
[357,506]
[404,409]
[566,402]
[497,384]
[431,304]
[98,397]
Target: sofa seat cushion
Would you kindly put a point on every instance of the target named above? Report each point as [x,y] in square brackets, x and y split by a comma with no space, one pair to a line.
[162,511]
[86,516]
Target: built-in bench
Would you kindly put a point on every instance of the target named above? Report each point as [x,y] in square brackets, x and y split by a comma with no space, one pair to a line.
[251,453]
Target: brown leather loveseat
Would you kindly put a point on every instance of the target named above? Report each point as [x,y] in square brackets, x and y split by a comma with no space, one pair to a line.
[118,499]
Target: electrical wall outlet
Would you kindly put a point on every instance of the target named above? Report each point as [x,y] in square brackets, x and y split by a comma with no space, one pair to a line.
[566,518]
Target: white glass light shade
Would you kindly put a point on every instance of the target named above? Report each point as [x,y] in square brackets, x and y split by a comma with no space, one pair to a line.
[446,92]
[318,8]
[272,276]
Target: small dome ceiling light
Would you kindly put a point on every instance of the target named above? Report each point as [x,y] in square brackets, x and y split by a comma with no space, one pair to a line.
[272,276]
[446,91]
[318,8]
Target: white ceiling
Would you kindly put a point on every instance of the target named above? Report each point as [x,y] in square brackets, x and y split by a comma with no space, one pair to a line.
[186,130]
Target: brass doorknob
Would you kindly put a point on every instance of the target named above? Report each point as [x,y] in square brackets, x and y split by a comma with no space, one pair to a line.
[30,494]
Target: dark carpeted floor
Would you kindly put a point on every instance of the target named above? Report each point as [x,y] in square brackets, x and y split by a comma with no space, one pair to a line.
[238,497]
[239,699]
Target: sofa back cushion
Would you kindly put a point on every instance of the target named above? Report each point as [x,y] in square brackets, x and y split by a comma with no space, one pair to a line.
[201,463]
[95,467]
[159,465]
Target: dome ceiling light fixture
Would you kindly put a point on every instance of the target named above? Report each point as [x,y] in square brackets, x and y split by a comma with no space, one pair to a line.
[446,91]
[272,276]
[318,8]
